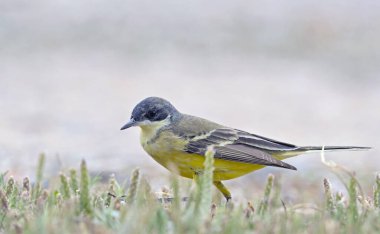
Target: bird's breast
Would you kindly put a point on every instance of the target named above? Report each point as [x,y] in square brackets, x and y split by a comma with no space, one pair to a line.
[161,145]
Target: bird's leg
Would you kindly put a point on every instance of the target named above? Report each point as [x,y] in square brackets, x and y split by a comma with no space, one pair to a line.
[196,177]
[226,193]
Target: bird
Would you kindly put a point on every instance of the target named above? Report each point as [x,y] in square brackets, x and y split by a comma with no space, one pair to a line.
[175,139]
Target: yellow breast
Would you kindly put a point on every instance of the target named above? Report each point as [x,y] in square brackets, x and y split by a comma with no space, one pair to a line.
[168,150]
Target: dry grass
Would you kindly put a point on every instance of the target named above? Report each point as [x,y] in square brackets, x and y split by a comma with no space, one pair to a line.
[79,204]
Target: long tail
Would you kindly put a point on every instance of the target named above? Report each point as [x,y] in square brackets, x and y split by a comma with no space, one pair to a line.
[309,149]
[331,148]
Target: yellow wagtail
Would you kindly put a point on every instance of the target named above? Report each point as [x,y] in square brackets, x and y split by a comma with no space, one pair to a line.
[173,138]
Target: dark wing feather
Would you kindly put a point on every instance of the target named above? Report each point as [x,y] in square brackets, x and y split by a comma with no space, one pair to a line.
[238,146]
[263,142]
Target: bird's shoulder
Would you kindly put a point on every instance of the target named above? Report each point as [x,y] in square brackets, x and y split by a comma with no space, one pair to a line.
[189,126]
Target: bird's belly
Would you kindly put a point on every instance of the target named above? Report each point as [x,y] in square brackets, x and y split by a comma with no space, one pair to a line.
[187,165]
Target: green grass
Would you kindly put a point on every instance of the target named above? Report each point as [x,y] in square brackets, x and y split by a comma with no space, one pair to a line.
[76,203]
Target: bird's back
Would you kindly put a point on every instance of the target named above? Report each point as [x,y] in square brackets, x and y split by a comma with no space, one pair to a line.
[192,126]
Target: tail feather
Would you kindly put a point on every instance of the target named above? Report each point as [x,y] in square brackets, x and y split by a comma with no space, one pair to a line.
[309,149]
[331,148]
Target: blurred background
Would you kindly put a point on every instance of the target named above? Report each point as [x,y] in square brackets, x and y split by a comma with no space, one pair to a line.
[305,72]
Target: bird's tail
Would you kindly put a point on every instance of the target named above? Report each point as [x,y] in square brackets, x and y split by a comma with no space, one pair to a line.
[331,148]
[310,149]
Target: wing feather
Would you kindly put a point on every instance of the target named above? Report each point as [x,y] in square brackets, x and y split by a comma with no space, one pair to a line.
[263,142]
[235,145]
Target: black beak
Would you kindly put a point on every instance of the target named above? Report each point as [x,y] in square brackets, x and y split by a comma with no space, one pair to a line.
[131,123]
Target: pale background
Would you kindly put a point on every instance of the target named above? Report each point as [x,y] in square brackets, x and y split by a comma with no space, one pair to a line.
[304,72]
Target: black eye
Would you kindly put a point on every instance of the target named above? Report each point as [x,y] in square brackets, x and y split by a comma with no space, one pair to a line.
[150,115]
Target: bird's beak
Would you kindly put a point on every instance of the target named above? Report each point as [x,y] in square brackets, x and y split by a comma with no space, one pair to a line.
[131,123]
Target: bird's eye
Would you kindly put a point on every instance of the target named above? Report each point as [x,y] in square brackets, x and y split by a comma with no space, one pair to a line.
[150,115]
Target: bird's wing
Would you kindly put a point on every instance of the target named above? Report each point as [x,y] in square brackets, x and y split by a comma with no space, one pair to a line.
[263,142]
[235,145]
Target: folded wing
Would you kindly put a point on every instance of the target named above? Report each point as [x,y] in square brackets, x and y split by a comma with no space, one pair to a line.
[238,146]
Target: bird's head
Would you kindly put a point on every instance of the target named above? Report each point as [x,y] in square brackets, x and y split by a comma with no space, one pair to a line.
[151,111]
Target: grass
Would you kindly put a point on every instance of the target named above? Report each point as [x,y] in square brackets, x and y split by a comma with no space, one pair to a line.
[77,203]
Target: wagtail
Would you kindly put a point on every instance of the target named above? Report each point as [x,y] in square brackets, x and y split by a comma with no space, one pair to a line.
[181,140]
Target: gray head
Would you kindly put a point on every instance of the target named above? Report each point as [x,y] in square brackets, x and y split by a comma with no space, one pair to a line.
[150,110]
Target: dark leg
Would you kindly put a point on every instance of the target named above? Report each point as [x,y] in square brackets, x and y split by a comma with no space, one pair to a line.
[226,193]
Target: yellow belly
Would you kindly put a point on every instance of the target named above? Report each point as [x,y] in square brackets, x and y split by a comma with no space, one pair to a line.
[167,150]
[188,164]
